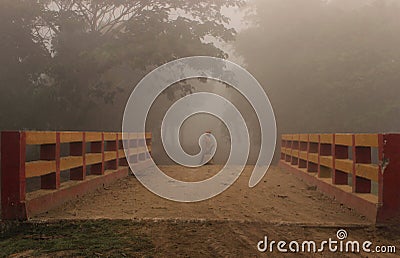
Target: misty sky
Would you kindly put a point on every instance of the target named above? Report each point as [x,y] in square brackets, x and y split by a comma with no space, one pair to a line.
[327,66]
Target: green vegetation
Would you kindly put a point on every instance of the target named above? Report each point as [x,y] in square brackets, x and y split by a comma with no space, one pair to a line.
[67,64]
[77,238]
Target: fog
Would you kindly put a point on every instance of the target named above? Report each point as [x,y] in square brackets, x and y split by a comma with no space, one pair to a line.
[327,66]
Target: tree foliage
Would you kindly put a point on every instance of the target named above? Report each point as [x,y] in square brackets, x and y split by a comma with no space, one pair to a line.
[22,60]
[69,57]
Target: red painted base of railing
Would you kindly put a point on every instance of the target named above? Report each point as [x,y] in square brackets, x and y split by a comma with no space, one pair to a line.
[40,203]
[362,206]
[359,170]
[107,159]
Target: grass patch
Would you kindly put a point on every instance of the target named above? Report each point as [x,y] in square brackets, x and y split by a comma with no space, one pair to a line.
[108,238]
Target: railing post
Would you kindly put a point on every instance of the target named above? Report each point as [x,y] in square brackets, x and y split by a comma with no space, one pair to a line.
[287,156]
[353,175]
[313,148]
[360,155]
[51,152]
[141,143]
[129,157]
[78,149]
[380,168]
[295,148]
[333,154]
[339,152]
[149,144]
[308,151]
[121,146]
[129,151]
[291,149]
[113,146]
[133,145]
[13,184]
[98,147]
[116,151]
[319,157]
[390,175]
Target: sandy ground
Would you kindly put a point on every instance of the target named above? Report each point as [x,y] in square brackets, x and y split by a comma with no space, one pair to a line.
[279,198]
[229,225]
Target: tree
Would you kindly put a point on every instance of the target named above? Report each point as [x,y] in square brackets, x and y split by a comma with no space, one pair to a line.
[93,38]
[97,49]
[22,61]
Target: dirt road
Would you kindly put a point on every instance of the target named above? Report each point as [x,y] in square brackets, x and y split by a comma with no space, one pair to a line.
[279,198]
[126,219]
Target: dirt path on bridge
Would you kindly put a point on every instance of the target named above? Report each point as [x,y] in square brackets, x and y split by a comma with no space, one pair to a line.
[140,224]
[279,198]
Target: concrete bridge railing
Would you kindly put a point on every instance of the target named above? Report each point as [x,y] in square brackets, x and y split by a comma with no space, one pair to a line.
[361,171]
[93,159]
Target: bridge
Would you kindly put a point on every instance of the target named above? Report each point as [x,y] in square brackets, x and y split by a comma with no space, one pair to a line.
[43,170]
[63,181]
